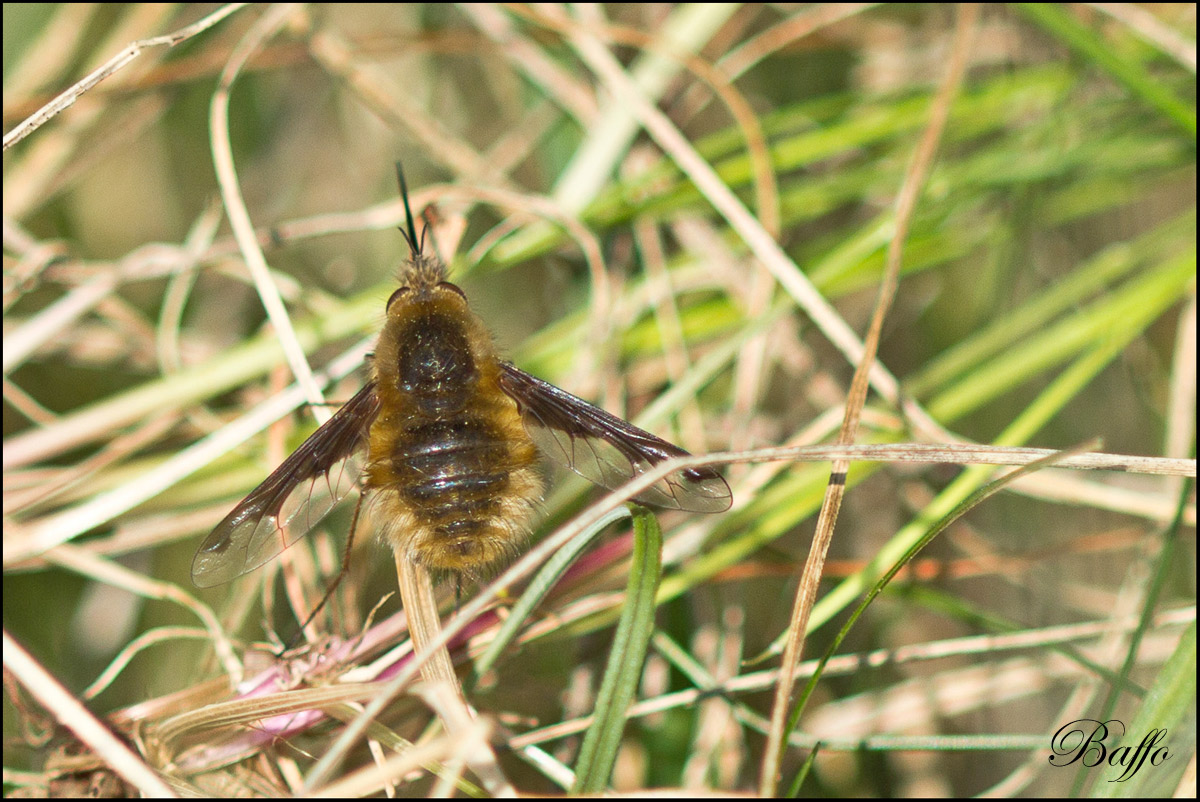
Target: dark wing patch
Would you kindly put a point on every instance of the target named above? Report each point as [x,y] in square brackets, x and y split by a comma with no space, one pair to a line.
[607,450]
[293,499]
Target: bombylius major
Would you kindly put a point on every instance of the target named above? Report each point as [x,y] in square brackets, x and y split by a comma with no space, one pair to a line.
[444,437]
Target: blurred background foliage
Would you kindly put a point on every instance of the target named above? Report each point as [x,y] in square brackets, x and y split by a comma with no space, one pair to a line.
[1058,226]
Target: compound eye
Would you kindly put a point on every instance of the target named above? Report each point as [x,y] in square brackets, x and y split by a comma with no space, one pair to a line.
[446,285]
[400,293]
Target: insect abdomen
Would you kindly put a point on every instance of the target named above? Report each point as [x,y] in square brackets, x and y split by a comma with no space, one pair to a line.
[452,465]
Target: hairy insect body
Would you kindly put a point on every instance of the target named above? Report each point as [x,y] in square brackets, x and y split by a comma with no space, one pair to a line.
[443,441]
[448,446]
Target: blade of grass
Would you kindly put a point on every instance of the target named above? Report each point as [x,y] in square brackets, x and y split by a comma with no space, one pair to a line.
[1059,23]
[971,501]
[599,751]
[539,587]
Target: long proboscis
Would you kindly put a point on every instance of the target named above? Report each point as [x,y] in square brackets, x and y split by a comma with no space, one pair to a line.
[411,235]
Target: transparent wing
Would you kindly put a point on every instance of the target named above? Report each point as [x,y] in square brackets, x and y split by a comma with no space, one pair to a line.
[606,450]
[293,498]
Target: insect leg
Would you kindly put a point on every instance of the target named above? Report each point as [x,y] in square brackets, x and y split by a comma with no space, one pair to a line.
[342,572]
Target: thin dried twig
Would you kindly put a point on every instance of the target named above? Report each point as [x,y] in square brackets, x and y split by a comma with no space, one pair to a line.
[810,577]
[68,98]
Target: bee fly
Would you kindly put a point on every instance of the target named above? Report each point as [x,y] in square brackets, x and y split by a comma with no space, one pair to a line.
[444,438]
